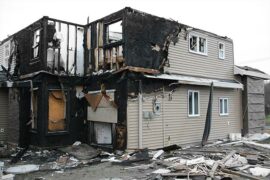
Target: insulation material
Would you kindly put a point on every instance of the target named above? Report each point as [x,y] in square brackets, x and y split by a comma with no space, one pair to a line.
[120,54]
[88,38]
[57,110]
[100,34]
[80,51]
[103,133]
[121,133]
[100,57]
[96,58]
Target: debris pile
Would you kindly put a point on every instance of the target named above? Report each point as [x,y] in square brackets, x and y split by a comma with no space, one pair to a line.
[247,158]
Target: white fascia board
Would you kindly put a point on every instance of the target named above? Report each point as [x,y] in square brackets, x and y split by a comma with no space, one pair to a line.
[198,81]
[242,72]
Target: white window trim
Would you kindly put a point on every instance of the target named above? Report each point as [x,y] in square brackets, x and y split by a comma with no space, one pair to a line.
[223,114]
[223,50]
[193,108]
[198,52]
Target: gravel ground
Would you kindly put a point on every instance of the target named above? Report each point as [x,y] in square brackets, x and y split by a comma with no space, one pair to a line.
[100,171]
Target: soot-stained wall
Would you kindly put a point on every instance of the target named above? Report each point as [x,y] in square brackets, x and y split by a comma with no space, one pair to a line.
[147,38]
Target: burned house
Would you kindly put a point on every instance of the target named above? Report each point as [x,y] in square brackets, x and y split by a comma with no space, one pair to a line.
[128,80]
[160,72]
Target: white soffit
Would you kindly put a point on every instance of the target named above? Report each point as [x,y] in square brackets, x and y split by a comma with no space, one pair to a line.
[242,72]
[199,81]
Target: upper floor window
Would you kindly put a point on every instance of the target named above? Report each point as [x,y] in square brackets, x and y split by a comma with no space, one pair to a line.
[197,44]
[35,44]
[223,106]
[114,32]
[221,50]
[193,103]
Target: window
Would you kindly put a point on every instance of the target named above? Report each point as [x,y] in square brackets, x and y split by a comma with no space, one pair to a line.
[193,103]
[57,111]
[221,50]
[223,106]
[197,44]
[35,46]
[114,32]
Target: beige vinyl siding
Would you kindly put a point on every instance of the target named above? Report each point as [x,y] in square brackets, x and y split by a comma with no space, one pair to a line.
[184,62]
[132,124]
[173,126]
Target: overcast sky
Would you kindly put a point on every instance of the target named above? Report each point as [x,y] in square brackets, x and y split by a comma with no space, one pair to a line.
[247,22]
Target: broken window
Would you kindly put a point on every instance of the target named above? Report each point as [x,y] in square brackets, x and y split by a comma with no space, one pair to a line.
[193,103]
[202,45]
[198,44]
[221,50]
[36,44]
[57,111]
[71,49]
[193,43]
[223,106]
[114,32]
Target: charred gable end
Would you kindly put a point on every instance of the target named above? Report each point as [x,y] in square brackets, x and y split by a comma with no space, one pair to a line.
[147,39]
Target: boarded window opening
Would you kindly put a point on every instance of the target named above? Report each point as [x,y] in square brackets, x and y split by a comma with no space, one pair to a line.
[114,32]
[57,111]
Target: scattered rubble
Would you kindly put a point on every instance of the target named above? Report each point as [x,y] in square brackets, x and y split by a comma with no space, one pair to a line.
[247,158]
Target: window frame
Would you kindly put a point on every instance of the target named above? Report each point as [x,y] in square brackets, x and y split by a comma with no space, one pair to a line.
[37,45]
[198,36]
[223,106]
[107,32]
[193,104]
[220,50]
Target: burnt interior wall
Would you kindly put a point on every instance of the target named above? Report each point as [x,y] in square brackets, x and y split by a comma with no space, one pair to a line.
[24,116]
[90,53]
[24,40]
[142,32]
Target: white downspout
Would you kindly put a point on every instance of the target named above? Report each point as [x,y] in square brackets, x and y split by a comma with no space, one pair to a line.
[140,117]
